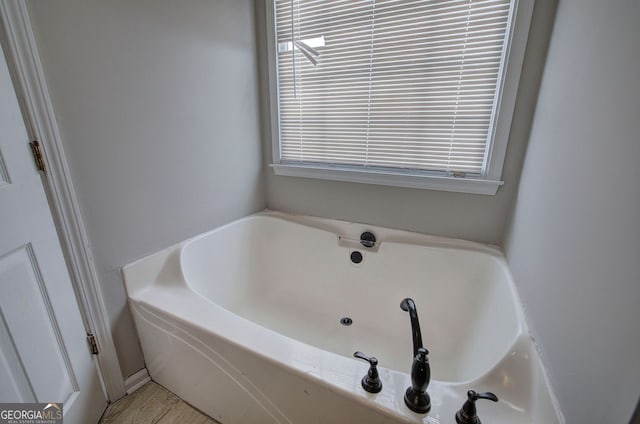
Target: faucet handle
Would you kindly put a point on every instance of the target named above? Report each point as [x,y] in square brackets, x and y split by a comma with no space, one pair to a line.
[473,395]
[371,381]
[468,413]
[372,360]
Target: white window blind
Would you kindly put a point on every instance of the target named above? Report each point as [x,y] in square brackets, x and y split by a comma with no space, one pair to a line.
[390,84]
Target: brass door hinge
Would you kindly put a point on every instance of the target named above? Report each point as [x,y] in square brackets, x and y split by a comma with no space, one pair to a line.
[37,155]
[93,344]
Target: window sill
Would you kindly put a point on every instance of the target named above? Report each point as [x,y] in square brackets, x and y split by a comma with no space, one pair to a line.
[390,178]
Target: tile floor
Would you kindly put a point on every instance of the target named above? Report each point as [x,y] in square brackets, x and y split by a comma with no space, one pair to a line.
[153,404]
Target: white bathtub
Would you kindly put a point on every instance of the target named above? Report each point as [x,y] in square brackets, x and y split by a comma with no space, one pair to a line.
[244,323]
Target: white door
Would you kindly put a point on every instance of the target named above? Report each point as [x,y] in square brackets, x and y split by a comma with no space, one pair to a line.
[44,355]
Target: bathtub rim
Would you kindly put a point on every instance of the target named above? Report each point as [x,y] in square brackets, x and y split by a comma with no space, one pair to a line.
[383,234]
[135,291]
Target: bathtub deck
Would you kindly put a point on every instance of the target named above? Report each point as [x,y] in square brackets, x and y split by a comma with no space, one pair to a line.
[153,404]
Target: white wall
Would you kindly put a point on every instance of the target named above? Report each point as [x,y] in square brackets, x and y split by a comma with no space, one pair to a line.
[474,217]
[158,108]
[574,243]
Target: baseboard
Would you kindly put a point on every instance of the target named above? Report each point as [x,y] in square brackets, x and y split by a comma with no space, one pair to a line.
[137,380]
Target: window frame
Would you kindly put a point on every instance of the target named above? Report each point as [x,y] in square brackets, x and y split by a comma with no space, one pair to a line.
[487,184]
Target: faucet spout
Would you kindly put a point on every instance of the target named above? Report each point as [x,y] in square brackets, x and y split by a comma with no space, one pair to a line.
[409,305]
[416,397]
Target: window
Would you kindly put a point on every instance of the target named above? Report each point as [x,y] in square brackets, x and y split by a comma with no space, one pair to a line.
[396,92]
